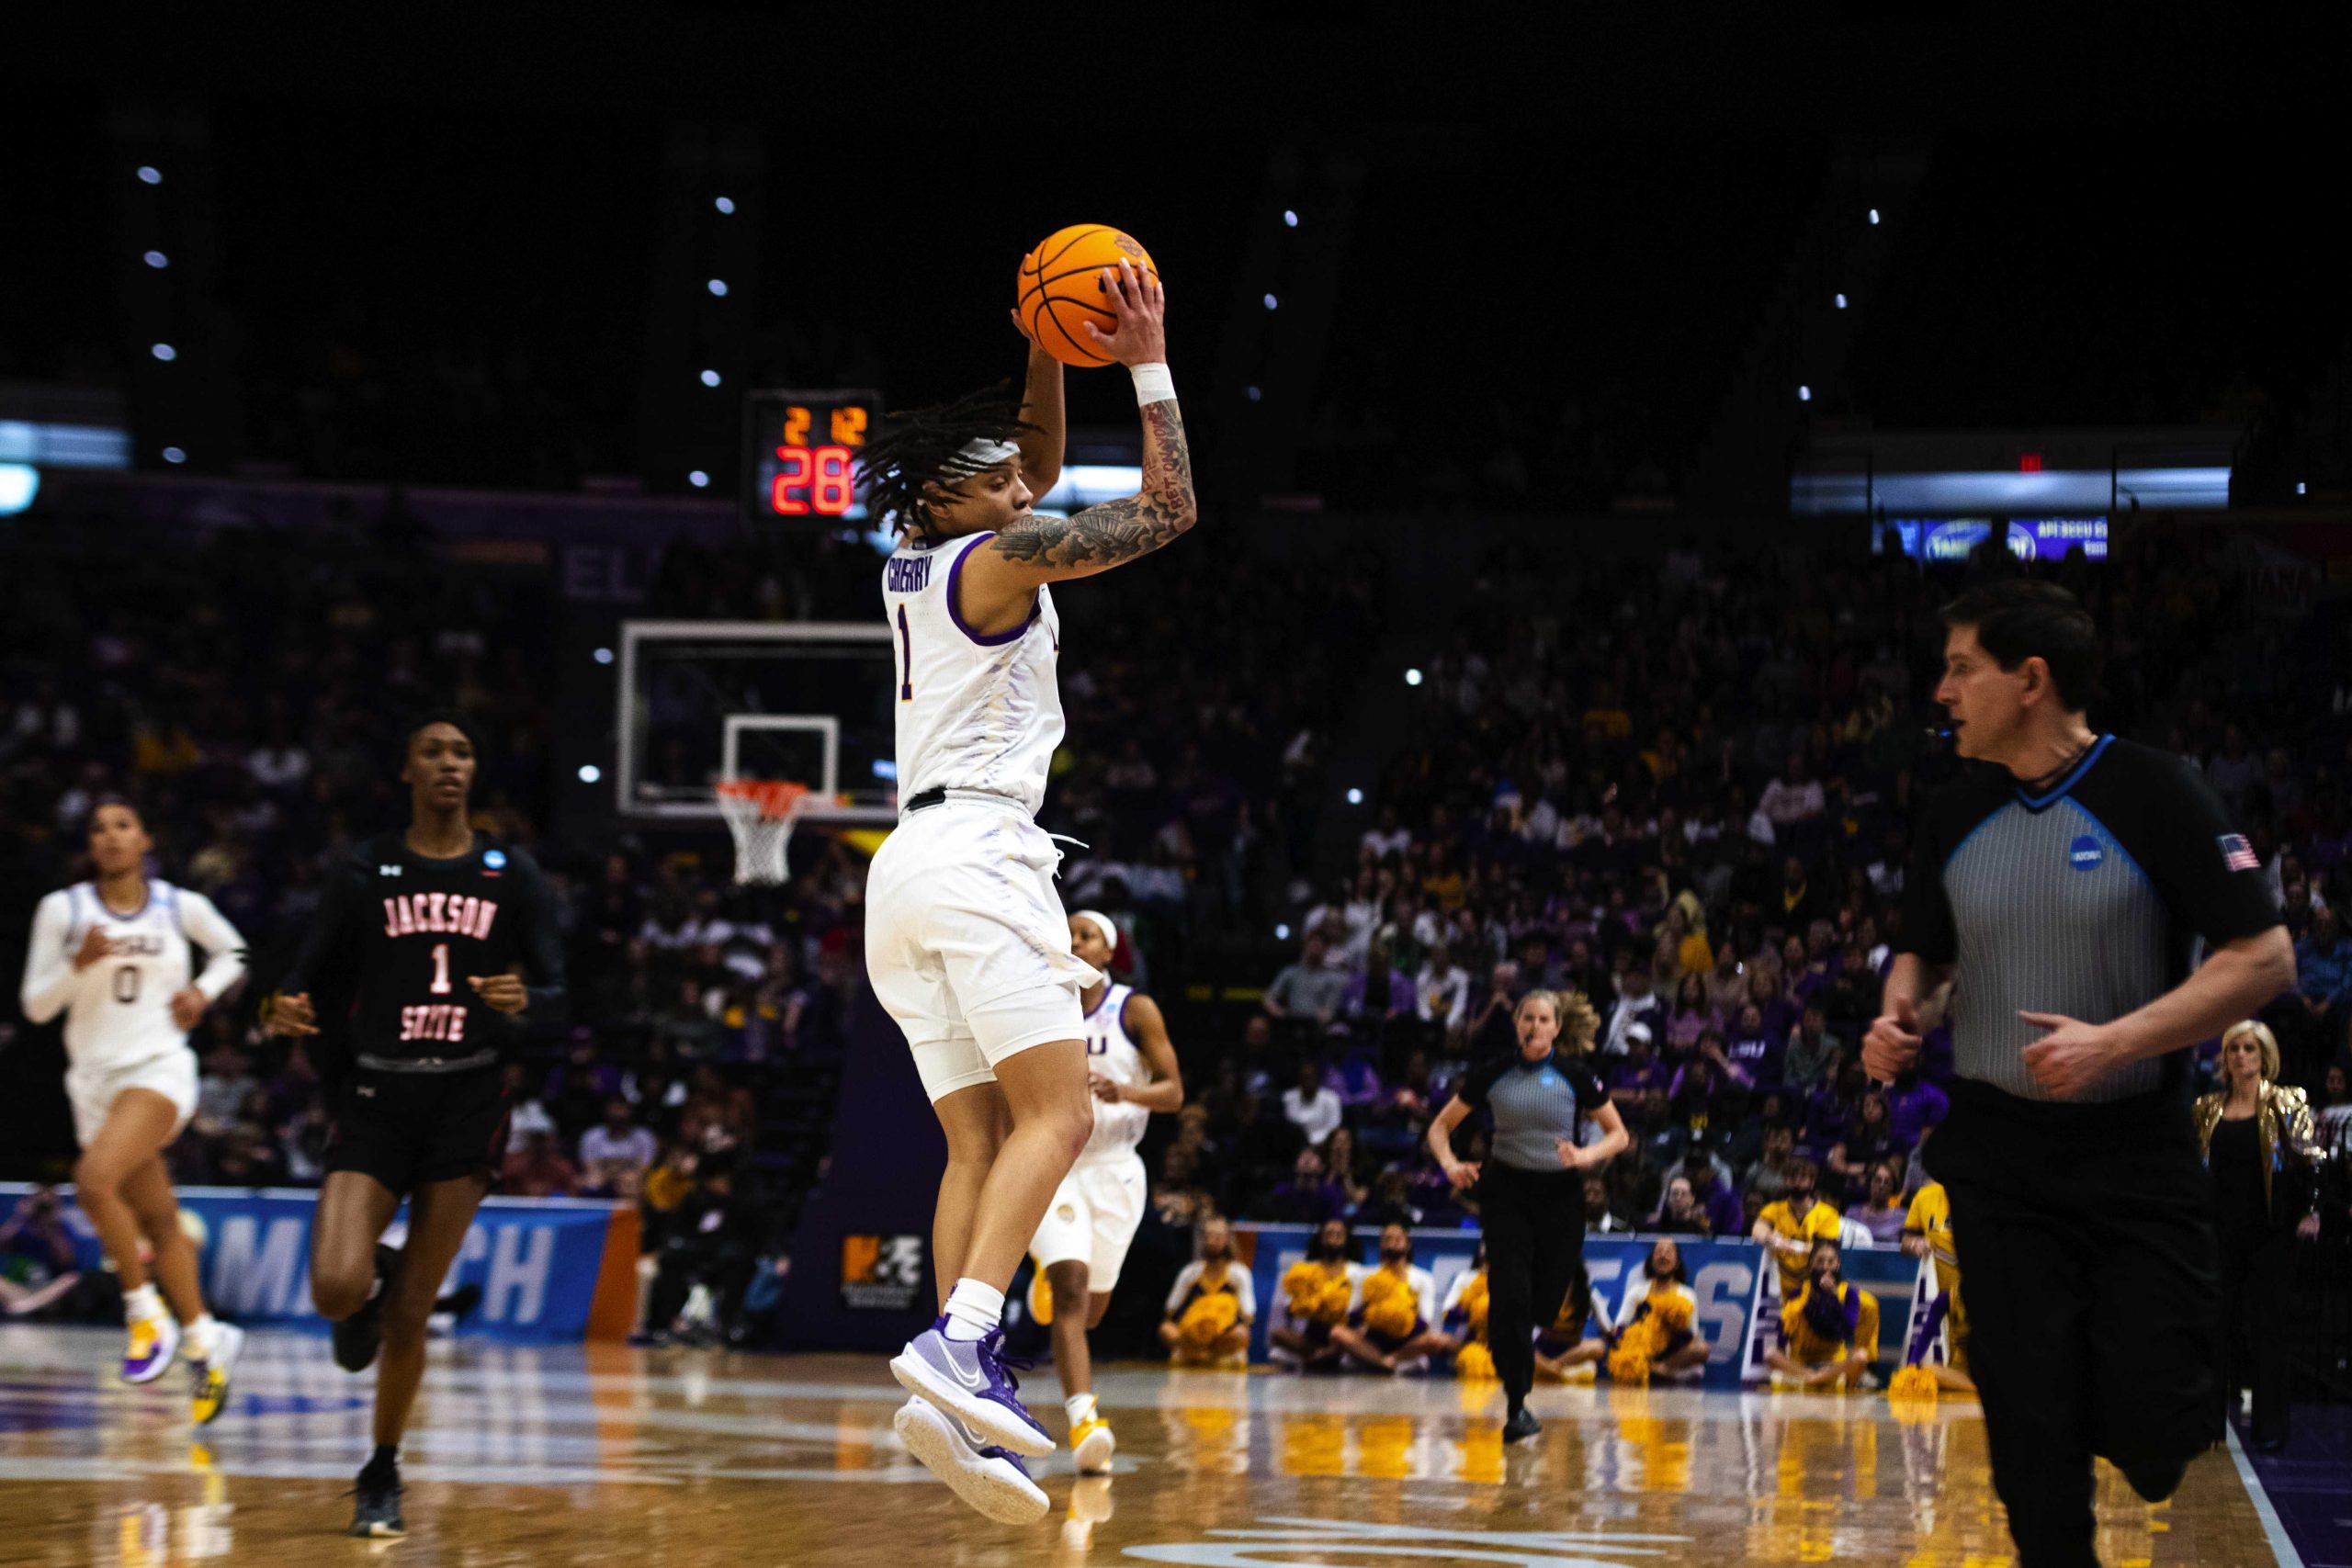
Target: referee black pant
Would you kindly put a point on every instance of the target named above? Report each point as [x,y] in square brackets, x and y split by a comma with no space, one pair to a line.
[2258,1266]
[1534,1225]
[2086,1264]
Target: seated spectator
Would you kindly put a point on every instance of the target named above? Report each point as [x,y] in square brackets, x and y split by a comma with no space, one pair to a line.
[1343,1166]
[1726,983]
[1599,1217]
[1310,1105]
[1914,1106]
[1657,1327]
[1318,1293]
[1307,992]
[1680,1214]
[2324,982]
[1692,1015]
[711,1242]
[1391,1201]
[1308,1198]
[1868,1139]
[529,1113]
[1376,994]
[1790,1227]
[1833,1108]
[1813,1053]
[1442,993]
[1767,994]
[1753,1052]
[1746,1145]
[37,1263]
[1769,1178]
[1828,1327]
[1395,1322]
[1711,1190]
[616,1154]
[1354,1076]
[1211,1307]
[1793,797]
[1881,1210]
[1636,1003]
[1638,1071]
[539,1169]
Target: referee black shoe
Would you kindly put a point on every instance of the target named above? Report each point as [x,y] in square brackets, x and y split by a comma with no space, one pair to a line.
[360,1336]
[377,1513]
[1521,1426]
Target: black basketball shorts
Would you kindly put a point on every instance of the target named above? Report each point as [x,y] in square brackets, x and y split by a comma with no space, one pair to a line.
[408,1128]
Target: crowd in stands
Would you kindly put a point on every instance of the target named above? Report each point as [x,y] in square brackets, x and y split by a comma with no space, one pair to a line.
[1682,788]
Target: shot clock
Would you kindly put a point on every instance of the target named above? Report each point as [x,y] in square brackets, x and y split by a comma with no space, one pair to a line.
[800,452]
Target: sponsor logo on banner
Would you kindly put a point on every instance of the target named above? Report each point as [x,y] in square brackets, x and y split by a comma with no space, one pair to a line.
[881,1273]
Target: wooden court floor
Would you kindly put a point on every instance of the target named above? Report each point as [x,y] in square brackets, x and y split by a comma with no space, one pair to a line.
[680,1458]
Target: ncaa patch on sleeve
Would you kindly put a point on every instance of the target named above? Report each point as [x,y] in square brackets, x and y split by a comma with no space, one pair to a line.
[2238,855]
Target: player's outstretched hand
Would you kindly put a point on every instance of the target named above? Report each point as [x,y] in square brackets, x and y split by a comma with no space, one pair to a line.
[188,1007]
[289,1016]
[1138,333]
[95,945]
[1893,1043]
[502,993]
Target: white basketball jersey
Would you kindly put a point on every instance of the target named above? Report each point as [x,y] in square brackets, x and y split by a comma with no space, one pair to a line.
[974,712]
[1117,1128]
[119,1010]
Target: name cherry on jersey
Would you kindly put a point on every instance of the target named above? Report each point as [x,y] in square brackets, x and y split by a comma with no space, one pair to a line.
[439,914]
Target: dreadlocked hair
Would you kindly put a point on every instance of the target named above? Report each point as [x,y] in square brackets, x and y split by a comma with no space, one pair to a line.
[923,447]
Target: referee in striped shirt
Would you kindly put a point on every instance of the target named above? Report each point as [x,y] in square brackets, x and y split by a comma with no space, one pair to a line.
[2048,916]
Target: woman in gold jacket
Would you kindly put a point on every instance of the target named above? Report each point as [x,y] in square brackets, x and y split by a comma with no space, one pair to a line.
[2258,1145]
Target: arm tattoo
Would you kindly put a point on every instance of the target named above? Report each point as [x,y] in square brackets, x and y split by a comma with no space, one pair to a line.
[1118,531]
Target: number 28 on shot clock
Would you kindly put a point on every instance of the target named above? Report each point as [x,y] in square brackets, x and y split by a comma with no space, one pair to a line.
[800,454]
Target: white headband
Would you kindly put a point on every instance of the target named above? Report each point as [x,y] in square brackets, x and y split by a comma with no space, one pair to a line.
[1102,923]
[984,454]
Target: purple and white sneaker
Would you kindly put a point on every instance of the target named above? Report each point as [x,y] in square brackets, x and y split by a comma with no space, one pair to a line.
[154,1341]
[969,1380]
[990,1479]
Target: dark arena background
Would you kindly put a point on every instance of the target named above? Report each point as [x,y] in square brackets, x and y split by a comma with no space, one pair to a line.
[1590,420]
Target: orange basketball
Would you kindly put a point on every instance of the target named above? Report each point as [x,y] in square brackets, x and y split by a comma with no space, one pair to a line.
[1061,286]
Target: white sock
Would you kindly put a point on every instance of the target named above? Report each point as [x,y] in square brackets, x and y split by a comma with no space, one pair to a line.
[1079,1408]
[974,1310]
[200,1338]
[141,1305]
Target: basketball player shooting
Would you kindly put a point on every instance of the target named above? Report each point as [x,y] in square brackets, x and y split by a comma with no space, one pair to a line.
[967,943]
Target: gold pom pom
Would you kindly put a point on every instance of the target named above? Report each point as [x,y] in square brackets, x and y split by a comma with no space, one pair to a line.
[1912,1382]
[1391,1315]
[1629,1364]
[1209,1318]
[1474,1363]
[1671,1312]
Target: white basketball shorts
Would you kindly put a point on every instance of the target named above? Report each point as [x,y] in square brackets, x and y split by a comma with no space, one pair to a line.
[93,1090]
[967,943]
[1093,1219]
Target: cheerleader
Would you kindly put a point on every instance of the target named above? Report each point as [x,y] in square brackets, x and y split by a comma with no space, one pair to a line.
[1656,1332]
[1212,1307]
[1393,1325]
[1829,1333]
[1319,1292]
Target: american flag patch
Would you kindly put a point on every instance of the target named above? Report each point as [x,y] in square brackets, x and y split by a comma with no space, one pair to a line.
[2237,854]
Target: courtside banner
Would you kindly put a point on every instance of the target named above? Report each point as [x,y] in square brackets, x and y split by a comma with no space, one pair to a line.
[539,1262]
[1728,1276]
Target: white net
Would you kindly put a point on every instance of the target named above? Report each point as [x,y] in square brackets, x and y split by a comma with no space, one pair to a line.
[760,814]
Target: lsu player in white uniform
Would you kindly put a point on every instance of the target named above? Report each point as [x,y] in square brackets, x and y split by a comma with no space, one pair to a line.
[1132,1072]
[967,943]
[113,955]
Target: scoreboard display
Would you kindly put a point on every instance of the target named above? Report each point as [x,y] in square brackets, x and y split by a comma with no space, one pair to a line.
[800,452]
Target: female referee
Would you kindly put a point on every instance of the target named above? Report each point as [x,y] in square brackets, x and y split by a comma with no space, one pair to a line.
[415,951]
[1531,1191]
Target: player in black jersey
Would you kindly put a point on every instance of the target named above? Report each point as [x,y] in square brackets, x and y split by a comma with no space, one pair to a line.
[429,950]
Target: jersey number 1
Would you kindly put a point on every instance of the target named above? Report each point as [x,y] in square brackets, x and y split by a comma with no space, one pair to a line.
[906,638]
[440,968]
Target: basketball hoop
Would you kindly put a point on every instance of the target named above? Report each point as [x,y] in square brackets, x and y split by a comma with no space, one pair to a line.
[760,813]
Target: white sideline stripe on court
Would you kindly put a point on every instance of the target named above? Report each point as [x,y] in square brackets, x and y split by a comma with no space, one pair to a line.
[2281,1547]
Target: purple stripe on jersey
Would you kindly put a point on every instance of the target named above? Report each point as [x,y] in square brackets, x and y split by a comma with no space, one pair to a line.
[955,609]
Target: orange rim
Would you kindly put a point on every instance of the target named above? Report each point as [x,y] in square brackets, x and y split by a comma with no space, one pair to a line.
[776,798]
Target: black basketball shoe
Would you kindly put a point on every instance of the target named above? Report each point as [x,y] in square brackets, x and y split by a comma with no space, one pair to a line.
[1521,1426]
[377,1512]
[360,1336]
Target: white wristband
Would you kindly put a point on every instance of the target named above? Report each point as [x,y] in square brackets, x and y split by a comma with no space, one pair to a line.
[1153,384]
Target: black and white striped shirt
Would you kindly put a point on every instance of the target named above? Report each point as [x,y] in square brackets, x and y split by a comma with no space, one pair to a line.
[2082,901]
